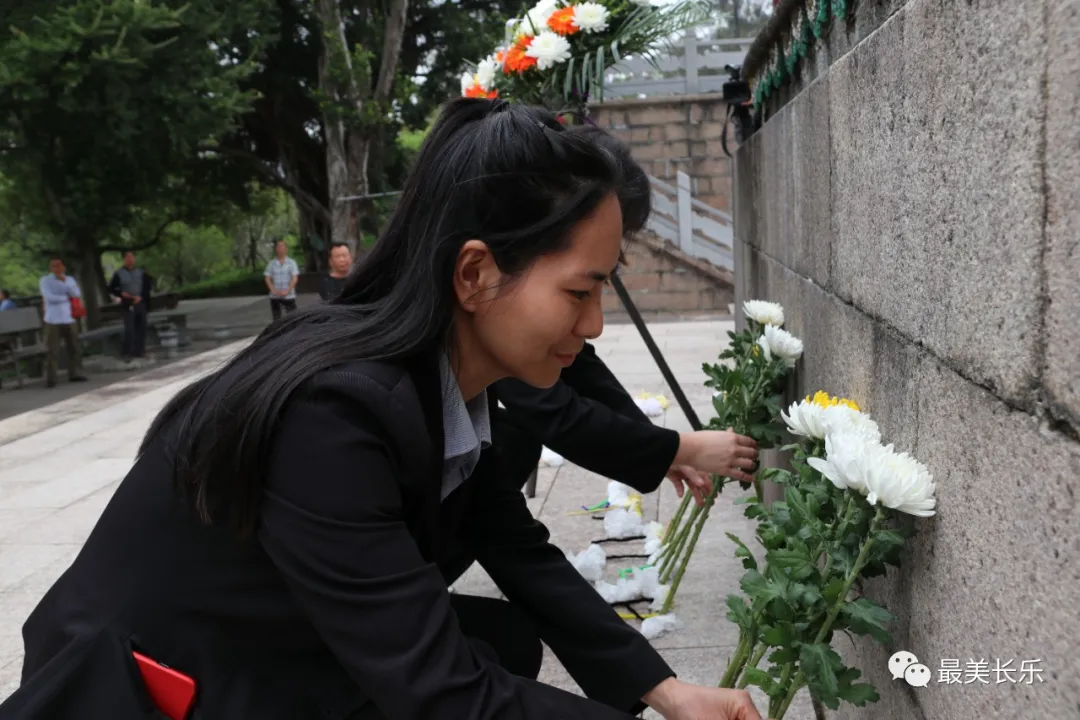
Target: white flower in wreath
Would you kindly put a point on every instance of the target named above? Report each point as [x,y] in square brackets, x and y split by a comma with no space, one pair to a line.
[549,49]
[781,344]
[485,72]
[764,312]
[591,17]
[467,81]
[536,19]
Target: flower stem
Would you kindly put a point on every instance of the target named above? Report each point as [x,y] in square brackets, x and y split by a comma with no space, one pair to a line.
[680,541]
[736,663]
[753,663]
[776,705]
[685,560]
[860,561]
[839,534]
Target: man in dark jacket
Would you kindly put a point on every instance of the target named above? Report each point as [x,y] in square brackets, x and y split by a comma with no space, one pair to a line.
[130,285]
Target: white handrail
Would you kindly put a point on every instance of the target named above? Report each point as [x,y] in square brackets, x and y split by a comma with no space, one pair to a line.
[696,228]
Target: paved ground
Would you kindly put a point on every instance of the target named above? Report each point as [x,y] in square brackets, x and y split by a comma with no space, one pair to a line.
[60,464]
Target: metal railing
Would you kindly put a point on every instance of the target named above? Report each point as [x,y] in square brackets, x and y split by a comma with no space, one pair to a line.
[697,229]
[693,66]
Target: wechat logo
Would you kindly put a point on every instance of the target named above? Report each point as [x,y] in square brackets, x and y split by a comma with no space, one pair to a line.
[905,665]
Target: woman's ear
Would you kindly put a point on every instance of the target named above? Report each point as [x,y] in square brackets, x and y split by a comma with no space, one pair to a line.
[476,276]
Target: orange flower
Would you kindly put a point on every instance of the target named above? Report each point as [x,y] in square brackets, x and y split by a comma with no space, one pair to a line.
[516,60]
[500,56]
[562,21]
[478,91]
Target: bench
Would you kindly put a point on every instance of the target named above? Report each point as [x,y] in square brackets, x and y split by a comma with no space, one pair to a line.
[20,338]
[109,338]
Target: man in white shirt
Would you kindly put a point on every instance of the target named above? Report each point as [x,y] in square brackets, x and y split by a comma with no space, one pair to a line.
[57,290]
[281,275]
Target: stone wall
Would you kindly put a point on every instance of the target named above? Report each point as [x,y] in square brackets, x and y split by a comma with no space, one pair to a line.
[669,134]
[662,280]
[914,203]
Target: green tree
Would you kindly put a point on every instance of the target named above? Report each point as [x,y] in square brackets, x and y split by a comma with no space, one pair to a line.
[282,138]
[104,105]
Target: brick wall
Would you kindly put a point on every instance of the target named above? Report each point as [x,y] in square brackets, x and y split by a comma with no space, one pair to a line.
[675,133]
[661,280]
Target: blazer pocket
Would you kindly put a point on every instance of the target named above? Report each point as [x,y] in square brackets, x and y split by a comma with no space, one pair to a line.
[139,694]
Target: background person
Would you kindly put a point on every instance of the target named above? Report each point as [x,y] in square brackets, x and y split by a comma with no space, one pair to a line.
[281,276]
[131,286]
[333,282]
[57,291]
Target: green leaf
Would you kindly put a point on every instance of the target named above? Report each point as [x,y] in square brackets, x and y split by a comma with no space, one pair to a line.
[795,561]
[760,678]
[819,664]
[859,694]
[739,612]
[753,583]
[783,655]
[865,617]
[749,562]
[833,589]
[781,634]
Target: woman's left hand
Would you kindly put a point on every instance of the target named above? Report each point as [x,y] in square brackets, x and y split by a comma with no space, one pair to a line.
[700,483]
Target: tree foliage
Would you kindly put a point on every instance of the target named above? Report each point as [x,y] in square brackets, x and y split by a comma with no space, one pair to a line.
[105,103]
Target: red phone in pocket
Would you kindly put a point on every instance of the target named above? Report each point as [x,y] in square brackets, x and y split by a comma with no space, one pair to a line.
[173,692]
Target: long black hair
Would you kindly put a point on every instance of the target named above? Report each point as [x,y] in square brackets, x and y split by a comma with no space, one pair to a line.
[509,175]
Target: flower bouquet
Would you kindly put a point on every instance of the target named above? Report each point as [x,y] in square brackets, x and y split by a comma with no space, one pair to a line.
[746,399]
[556,55]
[839,522]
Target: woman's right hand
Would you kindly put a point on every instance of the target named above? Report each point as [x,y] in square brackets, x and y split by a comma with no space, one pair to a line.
[720,452]
[677,700]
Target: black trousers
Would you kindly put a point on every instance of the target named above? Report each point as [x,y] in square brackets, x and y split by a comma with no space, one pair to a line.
[276,304]
[497,631]
[135,330]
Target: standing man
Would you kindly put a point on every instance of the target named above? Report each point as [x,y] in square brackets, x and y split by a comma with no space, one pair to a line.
[281,276]
[57,291]
[131,286]
[6,303]
[334,281]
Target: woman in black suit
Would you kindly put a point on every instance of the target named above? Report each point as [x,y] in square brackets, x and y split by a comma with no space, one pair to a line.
[280,536]
[588,417]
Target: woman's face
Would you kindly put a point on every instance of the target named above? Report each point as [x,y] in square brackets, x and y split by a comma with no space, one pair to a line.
[532,326]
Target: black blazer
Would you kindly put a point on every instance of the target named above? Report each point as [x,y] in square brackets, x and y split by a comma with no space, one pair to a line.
[588,418]
[338,604]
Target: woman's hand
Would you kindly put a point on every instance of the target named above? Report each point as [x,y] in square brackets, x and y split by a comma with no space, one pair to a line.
[700,483]
[720,452]
[676,700]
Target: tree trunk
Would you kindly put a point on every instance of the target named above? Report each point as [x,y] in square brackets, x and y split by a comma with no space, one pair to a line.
[90,277]
[348,144]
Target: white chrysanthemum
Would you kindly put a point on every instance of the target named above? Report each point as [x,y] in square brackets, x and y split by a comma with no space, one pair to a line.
[899,481]
[781,344]
[591,17]
[485,72]
[467,81]
[549,49]
[849,460]
[805,419]
[843,419]
[764,313]
[536,19]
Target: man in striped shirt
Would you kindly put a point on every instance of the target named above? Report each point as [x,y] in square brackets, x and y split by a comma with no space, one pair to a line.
[281,276]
